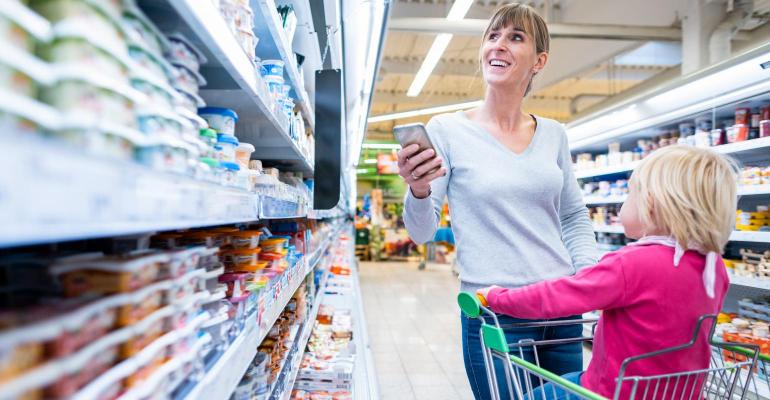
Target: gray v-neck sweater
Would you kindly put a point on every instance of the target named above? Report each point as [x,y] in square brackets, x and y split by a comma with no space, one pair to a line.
[517,218]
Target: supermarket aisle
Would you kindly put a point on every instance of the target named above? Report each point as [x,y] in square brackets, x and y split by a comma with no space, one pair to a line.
[414,327]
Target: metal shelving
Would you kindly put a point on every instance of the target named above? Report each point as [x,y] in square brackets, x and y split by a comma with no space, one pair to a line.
[232,78]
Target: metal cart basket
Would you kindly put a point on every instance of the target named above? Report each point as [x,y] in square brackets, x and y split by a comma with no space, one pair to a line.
[730,375]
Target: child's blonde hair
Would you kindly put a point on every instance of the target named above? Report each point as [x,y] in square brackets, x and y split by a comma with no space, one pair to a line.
[690,194]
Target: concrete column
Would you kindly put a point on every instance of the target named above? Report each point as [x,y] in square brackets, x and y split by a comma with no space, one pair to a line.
[700,20]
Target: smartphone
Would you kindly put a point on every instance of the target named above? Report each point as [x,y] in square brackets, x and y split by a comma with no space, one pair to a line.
[413,134]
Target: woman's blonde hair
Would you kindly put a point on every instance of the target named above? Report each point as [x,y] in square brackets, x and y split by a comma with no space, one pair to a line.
[689,193]
[522,17]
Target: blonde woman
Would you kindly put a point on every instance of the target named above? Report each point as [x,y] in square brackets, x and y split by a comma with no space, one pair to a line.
[681,208]
[517,212]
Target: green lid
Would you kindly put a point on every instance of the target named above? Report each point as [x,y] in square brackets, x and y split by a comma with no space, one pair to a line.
[213,163]
[209,133]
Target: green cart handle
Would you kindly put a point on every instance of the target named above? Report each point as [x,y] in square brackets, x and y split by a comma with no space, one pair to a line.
[471,304]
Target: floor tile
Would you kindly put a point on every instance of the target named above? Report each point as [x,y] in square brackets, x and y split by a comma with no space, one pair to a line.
[435,393]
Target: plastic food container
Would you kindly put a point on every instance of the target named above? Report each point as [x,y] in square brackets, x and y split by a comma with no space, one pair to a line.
[20,350]
[84,94]
[235,282]
[146,335]
[157,93]
[764,128]
[202,238]
[241,260]
[273,68]
[139,305]
[82,326]
[17,80]
[82,371]
[228,144]
[187,80]
[220,119]
[237,14]
[243,154]
[152,63]
[229,171]
[245,239]
[105,275]
[181,51]
[275,86]
[139,30]
[17,29]
[73,46]
[181,262]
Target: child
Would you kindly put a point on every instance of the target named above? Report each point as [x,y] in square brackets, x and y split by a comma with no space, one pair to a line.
[681,208]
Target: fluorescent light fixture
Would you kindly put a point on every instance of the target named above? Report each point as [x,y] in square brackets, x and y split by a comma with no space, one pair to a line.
[381,146]
[370,161]
[456,13]
[426,111]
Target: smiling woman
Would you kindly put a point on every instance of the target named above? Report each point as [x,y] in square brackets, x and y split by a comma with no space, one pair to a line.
[517,212]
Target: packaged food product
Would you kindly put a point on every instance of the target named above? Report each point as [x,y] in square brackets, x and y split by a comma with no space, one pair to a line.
[108,274]
[156,90]
[237,14]
[21,28]
[248,239]
[274,68]
[187,80]
[764,128]
[742,116]
[145,335]
[84,324]
[82,370]
[243,154]
[235,281]
[73,44]
[19,355]
[89,95]
[248,42]
[275,86]
[101,17]
[152,63]
[229,172]
[220,119]
[202,238]
[227,145]
[142,32]
[140,304]
[182,52]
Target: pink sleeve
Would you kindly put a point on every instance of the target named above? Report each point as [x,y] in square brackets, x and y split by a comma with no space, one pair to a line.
[599,287]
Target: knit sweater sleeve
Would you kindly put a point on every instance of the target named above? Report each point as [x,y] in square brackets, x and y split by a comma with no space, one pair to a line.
[421,216]
[577,231]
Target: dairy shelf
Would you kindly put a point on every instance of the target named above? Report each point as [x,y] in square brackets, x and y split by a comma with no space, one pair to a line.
[744,149]
[596,200]
[273,44]
[232,78]
[608,228]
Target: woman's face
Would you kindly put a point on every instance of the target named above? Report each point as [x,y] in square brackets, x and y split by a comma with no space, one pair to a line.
[509,58]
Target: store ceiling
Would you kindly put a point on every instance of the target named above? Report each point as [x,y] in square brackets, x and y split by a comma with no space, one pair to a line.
[581,72]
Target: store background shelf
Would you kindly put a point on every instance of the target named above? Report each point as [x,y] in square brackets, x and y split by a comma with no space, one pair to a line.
[750,282]
[70,195]
[232,78]
[220,381]
[273,44]
[608,228]
[596,200]
[749,236]
[753,190]
[611,170]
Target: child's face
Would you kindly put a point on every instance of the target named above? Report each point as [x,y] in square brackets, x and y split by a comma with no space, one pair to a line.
[629,214]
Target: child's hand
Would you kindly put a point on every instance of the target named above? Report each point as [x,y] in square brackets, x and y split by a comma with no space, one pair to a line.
[484,293]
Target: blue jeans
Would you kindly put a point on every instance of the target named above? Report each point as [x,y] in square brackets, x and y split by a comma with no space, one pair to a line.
[559,359]
[549,391]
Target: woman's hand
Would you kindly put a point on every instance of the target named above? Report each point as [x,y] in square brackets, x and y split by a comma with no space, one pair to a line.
[415,167]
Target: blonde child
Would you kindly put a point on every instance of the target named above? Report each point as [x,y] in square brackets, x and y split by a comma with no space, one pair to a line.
[681,208]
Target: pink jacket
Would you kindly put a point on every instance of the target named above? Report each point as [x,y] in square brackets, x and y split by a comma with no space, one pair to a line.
[648,304]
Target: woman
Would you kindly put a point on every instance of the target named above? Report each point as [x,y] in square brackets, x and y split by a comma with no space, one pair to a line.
[517,212]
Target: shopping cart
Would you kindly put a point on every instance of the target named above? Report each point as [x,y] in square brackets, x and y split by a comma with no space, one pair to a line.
[728,377]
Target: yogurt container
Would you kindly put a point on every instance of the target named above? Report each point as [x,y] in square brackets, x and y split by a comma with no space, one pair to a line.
[187,80]
[273,68]
[182,52]
[228,143]
[275,86]
[243,154]
[229,173]
[220,119]
[20,27]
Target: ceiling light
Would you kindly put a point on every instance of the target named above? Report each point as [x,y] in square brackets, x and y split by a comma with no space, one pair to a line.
[426,111]
[456,13]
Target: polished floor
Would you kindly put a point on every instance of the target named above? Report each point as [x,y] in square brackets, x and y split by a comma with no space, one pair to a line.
[414,329]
